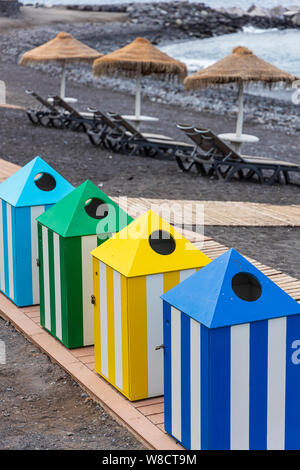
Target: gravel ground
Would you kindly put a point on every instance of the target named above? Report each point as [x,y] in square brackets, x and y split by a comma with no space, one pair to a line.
[278,247]
[73,155]
[41,407]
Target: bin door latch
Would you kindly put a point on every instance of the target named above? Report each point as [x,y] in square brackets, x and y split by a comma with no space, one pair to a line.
[38,263]
[93,299]
[160,347]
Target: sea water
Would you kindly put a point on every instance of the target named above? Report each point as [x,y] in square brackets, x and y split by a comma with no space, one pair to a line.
[279,47]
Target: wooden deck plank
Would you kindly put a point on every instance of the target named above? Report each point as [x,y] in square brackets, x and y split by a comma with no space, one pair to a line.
[157,418]
[85,351]
[222,213]
[148,401]
[151,409]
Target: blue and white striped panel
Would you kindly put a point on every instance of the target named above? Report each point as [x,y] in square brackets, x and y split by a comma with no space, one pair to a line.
[18,253]
[241,393]
[26,251]
[35,212]
[2,275]
[186,379]
[292,391]
[7,249]
[248,382]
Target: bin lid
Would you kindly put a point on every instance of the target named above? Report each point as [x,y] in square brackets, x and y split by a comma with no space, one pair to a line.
[230,291]
[149,245]
[35,184]
[85,211]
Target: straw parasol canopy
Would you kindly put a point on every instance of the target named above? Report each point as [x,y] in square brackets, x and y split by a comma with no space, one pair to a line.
[139,59]
[240,67]
[64,48]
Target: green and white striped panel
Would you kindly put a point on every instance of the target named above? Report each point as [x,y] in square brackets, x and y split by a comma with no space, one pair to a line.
[66,286]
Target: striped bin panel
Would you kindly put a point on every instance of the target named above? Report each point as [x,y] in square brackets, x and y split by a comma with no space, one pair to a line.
[66,284]
[19,253]
[128,328]
[235,387]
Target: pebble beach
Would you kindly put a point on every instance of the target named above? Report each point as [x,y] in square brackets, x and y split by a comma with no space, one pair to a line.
[276,122]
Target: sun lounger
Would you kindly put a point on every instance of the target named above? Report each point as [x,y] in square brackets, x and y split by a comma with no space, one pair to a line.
[40,115]
[133,131]
[59,114]
[149,144]
[118,135]
[70,118]
[213,157]
[107,134]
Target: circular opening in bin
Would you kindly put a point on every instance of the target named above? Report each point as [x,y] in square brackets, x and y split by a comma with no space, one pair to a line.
[96,208]
[45,181]
[246,287]
[162,242]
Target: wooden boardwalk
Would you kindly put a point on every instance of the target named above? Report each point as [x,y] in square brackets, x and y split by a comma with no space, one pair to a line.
[225,213]
[7,169]
[144,418]
[221,213]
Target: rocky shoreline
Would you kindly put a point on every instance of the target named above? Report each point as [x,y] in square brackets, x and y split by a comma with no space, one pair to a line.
[9,8]
[182,19]
[268,112]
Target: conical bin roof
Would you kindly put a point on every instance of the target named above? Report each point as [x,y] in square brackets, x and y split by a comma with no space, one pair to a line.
[85,211]
[230,291]
[35,184]
[137,250]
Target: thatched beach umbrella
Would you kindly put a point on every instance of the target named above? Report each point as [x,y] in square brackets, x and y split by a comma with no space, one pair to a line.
[64,48]
[240,67]
[139,59]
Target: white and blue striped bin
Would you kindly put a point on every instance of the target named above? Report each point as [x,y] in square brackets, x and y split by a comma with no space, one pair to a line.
[232,360]
[23,197]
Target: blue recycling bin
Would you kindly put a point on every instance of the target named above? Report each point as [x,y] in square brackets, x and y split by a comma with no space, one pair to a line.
[23,197]
[232,359]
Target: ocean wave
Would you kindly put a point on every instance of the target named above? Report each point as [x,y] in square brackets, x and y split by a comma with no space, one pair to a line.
[252,30]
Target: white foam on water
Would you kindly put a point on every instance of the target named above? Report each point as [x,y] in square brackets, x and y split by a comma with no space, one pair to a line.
[252,30]
[280,48]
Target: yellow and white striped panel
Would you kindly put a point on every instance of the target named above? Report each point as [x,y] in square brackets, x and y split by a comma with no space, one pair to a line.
[110,325]
[129,326]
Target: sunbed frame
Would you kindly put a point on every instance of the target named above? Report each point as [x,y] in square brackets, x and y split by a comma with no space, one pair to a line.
[152,145]
[118,135]
[70,118]
[61,115]
[40,116]
[108,134]
[213,157]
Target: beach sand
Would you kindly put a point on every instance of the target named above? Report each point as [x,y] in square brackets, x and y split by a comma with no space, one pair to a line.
[31,17]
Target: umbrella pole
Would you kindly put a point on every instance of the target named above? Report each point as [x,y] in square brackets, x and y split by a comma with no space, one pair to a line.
[239,124]
[63,81]
[138,97]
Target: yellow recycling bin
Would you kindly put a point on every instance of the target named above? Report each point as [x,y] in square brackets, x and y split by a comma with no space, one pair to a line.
[131,271]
